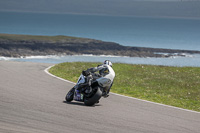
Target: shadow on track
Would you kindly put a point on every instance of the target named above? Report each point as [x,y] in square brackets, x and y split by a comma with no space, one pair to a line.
[80,104]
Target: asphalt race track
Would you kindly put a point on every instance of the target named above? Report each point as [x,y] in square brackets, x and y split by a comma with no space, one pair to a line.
[32,101]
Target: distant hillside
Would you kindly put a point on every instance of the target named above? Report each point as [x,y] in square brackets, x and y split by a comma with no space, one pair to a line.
[28,45]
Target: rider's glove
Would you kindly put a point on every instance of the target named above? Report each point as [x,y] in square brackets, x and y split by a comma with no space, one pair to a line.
[85,73]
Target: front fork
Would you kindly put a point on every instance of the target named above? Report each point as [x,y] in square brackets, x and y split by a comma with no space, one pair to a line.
[78,96]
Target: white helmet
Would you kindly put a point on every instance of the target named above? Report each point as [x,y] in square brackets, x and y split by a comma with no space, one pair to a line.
[107,62]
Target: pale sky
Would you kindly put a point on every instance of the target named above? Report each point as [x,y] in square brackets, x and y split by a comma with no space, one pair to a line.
[149,8]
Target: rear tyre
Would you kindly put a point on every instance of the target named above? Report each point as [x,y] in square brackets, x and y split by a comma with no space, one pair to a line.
[70,95]
[94,99]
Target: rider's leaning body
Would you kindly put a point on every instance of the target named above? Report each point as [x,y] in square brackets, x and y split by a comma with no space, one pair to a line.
[105,72]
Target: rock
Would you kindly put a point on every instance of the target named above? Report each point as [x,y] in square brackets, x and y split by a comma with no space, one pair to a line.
[11,47]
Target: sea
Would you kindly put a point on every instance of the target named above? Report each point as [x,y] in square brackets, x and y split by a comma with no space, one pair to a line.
[170,33]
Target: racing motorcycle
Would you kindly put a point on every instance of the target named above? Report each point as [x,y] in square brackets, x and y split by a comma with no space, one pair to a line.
[88,89]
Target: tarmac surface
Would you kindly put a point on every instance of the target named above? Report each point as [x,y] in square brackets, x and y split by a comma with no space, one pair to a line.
[32,101]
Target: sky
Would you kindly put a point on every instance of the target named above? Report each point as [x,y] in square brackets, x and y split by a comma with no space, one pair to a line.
[149,8]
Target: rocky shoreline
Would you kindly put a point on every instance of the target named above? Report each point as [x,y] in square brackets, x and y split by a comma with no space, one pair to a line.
[26,45]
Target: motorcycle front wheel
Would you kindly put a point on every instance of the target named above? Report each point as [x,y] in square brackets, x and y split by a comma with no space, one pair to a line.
[70,95]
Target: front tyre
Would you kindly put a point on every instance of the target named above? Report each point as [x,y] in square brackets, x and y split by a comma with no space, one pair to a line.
[70,95]
[94,99]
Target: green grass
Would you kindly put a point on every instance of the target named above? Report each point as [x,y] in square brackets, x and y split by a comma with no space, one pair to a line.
[176,86]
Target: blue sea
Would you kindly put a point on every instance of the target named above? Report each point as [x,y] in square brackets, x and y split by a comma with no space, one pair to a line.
[172,33]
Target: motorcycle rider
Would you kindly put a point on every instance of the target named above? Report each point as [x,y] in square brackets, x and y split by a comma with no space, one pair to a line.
[105,71]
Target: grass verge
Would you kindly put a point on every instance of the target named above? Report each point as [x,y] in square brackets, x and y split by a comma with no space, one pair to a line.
[176,86]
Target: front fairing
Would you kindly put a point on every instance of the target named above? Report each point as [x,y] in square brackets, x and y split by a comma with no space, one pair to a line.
[77,95]
[81,79]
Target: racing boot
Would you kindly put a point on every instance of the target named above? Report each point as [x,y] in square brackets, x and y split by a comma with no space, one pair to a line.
[105,94]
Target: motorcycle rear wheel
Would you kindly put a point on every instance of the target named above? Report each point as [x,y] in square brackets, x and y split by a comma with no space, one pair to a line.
[94,99]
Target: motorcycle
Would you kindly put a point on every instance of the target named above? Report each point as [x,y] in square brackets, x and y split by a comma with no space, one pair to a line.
[89,90]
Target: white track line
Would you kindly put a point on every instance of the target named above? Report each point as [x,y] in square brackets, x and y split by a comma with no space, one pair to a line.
[47,71]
